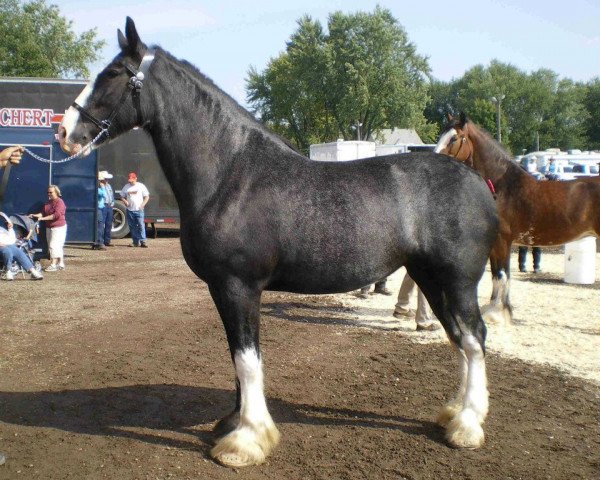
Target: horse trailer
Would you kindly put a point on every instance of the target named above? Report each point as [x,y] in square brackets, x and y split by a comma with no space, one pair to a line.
[30,111]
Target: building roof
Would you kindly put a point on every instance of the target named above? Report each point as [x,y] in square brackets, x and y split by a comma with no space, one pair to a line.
[399,136]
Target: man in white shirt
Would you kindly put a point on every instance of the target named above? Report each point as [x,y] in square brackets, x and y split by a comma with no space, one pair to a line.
[136,196]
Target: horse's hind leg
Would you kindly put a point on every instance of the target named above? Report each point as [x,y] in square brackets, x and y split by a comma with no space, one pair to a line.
[248,434]
[464,429]
[499,310]
[458,311]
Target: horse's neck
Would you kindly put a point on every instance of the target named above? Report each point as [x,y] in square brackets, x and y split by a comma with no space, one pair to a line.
[199,132]
[489,160]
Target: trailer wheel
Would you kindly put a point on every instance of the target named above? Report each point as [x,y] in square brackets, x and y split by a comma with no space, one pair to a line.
[120,229]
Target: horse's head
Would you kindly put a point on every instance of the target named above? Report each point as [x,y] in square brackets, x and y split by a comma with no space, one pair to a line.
[112,104]
[454,140]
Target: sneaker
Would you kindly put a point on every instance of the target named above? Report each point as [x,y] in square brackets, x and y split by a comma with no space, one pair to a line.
[537,270]
[51,268]
[8,275]
[404,313]
[35,275]
[61,266]
[522,269]
[428,327]
[108,244]
[143,245]
[132,245]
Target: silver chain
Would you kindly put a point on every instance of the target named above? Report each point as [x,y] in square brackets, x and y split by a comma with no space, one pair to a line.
[76,155]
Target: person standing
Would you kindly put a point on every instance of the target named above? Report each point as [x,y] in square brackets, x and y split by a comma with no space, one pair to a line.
[101,197]
[53,214]
[108,208]
[136,196]
[423,316]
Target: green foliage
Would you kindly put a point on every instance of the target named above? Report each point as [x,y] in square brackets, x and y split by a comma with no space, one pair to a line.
[363,71]
[591,102]
[534,104]
[37,41]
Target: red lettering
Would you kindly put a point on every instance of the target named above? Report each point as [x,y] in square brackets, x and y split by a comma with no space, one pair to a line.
[26,117]
[37,118]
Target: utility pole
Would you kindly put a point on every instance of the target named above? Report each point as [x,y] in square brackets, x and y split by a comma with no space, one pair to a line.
[498,100]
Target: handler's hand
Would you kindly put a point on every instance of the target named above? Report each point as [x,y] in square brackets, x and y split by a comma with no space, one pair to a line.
[11,154]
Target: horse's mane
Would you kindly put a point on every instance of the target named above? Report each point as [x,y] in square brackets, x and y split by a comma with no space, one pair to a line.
[493,148]
[203,82]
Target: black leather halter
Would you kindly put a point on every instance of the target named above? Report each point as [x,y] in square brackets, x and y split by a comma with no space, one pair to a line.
[134,86]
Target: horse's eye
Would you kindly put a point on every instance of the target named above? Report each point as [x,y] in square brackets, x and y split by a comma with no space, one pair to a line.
[113,72]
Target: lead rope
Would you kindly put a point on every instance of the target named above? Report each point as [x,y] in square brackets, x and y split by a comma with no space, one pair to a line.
[76,155]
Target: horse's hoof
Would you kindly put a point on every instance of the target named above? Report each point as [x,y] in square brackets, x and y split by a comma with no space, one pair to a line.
[464,431]
[245,447]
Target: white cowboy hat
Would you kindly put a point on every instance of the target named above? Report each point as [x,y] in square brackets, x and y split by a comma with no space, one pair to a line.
[104,175]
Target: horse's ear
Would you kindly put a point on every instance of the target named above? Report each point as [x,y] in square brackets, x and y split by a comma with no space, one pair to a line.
[449,116]
[463,119]
[122,40]
[134,44]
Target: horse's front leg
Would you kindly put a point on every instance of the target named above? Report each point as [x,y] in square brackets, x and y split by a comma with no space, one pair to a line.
[499,310]
[247,435]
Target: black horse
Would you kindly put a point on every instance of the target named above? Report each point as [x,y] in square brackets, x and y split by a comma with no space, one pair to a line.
[256,215]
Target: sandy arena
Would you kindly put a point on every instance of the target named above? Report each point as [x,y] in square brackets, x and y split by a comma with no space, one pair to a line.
[118,367]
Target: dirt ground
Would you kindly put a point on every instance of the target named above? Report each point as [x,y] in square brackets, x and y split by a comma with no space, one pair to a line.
[118,368]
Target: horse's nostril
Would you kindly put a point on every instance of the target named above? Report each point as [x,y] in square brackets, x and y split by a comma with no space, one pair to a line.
[62,133]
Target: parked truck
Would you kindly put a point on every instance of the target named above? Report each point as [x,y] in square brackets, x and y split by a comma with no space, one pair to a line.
[30,111]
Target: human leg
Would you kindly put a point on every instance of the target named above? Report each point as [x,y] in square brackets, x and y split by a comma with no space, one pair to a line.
[537,258]
[56,241]
[364,292]
[381,288]
[522,259]
[132,222]
[21,257]
[6,255]
[402,308]
[141,228]
[424,316]
[108,218]
[99,228]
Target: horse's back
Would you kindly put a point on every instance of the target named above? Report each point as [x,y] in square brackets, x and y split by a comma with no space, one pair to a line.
[355,222]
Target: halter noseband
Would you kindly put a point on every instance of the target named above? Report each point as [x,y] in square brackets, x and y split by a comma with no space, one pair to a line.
[135,84]
[469,154]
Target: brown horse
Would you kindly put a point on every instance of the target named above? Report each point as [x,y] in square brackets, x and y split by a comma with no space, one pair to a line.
[531,212]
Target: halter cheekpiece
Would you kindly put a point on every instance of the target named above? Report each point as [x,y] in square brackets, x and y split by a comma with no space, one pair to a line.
[134,86]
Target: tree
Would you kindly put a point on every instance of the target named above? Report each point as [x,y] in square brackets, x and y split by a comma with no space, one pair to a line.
[535,105]
[37,41]
[359,78]
[592,106]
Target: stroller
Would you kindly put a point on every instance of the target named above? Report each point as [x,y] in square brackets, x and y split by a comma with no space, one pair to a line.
[26,231]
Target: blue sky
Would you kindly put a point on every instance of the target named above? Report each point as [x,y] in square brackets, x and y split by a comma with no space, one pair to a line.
[224,38]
